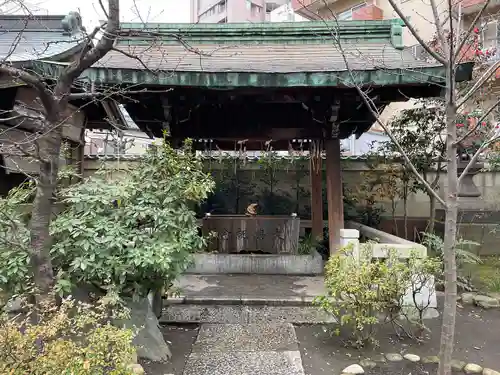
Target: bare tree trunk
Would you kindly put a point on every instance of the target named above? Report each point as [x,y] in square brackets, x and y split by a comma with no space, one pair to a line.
[50,148]
[432,214]
[405,210]
[55,103]
[450,232]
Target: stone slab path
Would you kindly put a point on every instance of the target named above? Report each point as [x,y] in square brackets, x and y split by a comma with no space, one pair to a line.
[245,349]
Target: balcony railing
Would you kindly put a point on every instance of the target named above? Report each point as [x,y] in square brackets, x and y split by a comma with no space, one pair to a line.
[312,8]
[473,6]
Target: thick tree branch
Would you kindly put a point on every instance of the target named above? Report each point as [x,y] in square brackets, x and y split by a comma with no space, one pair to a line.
[104,45]
[33,81]
[475,157]
[437,22]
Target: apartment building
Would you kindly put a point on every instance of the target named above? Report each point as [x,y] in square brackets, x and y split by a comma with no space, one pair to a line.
[419,11]
[225,11]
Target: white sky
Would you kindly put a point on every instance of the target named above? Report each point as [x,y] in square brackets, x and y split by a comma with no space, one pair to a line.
[90,10]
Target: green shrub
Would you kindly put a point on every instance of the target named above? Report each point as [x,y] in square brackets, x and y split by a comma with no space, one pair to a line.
[71,339]
[136,233]
[308,244]
[493,282]
[463,255]
[360,291]
[14,241]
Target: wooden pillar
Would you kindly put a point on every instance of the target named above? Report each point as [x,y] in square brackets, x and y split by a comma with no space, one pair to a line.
[315,167]
[334,193]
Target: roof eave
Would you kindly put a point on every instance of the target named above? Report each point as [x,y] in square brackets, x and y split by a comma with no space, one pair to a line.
[342,79]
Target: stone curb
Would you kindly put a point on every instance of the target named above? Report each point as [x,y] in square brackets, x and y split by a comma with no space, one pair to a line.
[380,360]
[232,300]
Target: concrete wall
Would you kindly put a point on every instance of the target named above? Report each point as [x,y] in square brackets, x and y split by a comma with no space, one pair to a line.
[418,203]
[482,228]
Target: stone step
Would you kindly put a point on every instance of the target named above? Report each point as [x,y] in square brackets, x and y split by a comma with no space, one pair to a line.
[245,299]
[243,314]
[257,349]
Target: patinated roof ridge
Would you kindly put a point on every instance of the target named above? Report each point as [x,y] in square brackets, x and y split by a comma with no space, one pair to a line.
[315,32]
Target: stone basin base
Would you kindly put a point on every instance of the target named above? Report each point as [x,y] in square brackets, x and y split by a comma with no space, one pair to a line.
[271,264]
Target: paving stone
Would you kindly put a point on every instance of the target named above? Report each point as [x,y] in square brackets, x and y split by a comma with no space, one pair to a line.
[353,369]
[494,295]
[394,357]
[468,298]
[244,363]
[368,363]
[380,358]
[431,359]
[457,365]
[486,302]
[412,357]
[488,371]
[246,337]
[472,368]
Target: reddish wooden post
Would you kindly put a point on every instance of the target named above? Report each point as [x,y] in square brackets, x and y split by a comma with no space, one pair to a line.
[334,193]
[315,167]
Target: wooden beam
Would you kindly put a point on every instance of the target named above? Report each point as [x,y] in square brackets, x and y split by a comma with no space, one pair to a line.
[334,193]
[316,171]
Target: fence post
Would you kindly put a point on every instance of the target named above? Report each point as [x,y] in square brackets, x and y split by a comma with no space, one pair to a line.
[350,237]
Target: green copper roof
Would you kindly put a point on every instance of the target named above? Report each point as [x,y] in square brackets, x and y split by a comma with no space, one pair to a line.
[302,54]
[267,32]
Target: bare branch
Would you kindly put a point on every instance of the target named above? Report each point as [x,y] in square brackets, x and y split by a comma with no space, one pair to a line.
[471,28]
[104,45]
[135,57]
[33,81]
[88,95]
[487,75]
[414,32]
[372,108]
[479,122]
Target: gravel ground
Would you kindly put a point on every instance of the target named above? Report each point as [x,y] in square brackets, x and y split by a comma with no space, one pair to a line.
[477,340]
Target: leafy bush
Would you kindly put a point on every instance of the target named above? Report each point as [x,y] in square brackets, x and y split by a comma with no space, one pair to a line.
[133,234]
[70,339]
[435,244]
[360,291]
[493,283]
[308,244]
[463,256]
[14,241]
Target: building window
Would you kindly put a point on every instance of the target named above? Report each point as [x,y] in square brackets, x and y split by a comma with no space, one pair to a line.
[255,10]
[249,4]
[347,15]
[490,35]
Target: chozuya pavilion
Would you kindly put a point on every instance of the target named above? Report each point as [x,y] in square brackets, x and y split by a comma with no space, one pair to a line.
[261,84]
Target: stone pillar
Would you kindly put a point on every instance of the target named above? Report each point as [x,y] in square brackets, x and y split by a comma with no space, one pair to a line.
[334,193]
[316,198]
[350,237]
